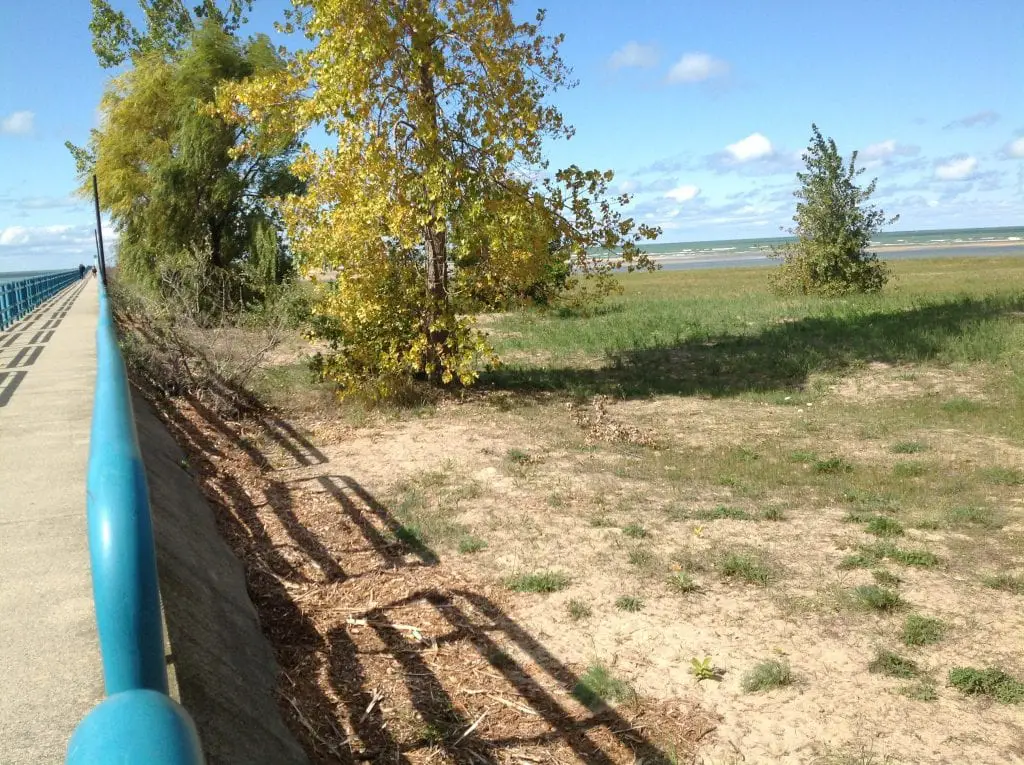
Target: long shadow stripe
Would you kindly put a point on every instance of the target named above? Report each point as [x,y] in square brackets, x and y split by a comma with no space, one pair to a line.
[12,380]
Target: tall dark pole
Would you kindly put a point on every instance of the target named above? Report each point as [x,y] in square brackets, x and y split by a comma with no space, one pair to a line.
[99,230]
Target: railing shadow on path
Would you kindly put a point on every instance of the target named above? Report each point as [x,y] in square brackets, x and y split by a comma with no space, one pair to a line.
[344,661]
[21,346]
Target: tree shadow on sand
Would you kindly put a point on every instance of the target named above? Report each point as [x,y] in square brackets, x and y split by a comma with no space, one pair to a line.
[781,357]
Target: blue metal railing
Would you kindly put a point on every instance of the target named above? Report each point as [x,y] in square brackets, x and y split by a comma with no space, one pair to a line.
[137,722]
[19,296]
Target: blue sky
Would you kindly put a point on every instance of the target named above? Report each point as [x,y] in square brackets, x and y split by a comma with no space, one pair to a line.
[701,109]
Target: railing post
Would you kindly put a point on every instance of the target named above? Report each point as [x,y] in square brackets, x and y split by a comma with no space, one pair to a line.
[4,318]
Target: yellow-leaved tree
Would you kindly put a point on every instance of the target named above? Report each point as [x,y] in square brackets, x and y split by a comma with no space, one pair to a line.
[433,200]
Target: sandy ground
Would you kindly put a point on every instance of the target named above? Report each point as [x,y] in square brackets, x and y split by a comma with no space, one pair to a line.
[593,462]
[835,705]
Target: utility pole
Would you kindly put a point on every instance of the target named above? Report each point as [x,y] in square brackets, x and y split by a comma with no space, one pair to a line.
[99,230]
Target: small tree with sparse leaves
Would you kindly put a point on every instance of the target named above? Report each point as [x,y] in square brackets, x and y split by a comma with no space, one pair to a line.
[834,227]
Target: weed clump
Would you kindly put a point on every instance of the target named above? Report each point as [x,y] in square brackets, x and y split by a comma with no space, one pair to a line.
[767,675]
[538,581]
[877,598]
[921,630]
[598,685]
[992,682]
[893,665]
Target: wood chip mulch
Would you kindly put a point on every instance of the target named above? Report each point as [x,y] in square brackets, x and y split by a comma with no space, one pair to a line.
[387,654]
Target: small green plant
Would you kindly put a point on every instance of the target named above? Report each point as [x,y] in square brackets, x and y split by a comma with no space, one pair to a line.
[682,582]
[767,675]
[518,457]
[992,682]
[921,558]
[972,515]
[746,454]
[643,559]
[909,469]
[601,521]
[634,531]
[960,406]
[908,447]
[722,513]
[1005,582]
[773,514]
[870,500]
[183,463]
[881,526]
[746,566]
[470,544]
[858,560]
[704,669]
[886,578]
[538,581]
[921,630]
[803,457]
[832,466]
[877,598]
[629,603]
[921,691]
[869,555]
[1003,476]
[893,665]
[578,609]
[598,686]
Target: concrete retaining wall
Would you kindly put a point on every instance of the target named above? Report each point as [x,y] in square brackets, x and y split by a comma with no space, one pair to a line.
[225,669]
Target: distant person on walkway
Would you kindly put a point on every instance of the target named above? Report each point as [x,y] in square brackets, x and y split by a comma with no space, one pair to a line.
[81,271]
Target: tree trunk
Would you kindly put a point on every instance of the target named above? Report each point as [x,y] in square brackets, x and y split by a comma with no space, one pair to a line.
[435,242]
[435,237]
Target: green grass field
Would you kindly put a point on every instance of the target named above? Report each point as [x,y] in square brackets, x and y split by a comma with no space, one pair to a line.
[723,333]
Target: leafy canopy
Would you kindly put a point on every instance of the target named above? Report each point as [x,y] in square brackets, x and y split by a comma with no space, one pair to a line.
[169,26]
[834,227]
[434,199]
[187,205]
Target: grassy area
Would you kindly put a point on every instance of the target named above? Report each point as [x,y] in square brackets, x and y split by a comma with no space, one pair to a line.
[722,333]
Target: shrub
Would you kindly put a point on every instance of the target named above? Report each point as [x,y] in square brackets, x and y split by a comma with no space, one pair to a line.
[834,227]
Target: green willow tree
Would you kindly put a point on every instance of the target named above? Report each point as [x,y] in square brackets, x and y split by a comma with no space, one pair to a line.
[190,207]
[435,197]
[834,227]
[169,26]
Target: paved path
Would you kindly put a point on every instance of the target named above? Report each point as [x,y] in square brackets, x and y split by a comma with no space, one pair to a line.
[50,673]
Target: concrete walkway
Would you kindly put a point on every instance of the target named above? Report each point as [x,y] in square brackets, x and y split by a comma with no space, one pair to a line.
[50,674]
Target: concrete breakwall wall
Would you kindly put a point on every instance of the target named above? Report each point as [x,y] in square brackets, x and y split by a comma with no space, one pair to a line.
[221,663]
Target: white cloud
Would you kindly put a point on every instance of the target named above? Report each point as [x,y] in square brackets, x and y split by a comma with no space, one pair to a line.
[17,123]
[754,146]
[984,119]
[1016,148]
[634,54]
[18,235]
[26,248]
[956,169]
[697,67]
[683,193]
[884,150]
